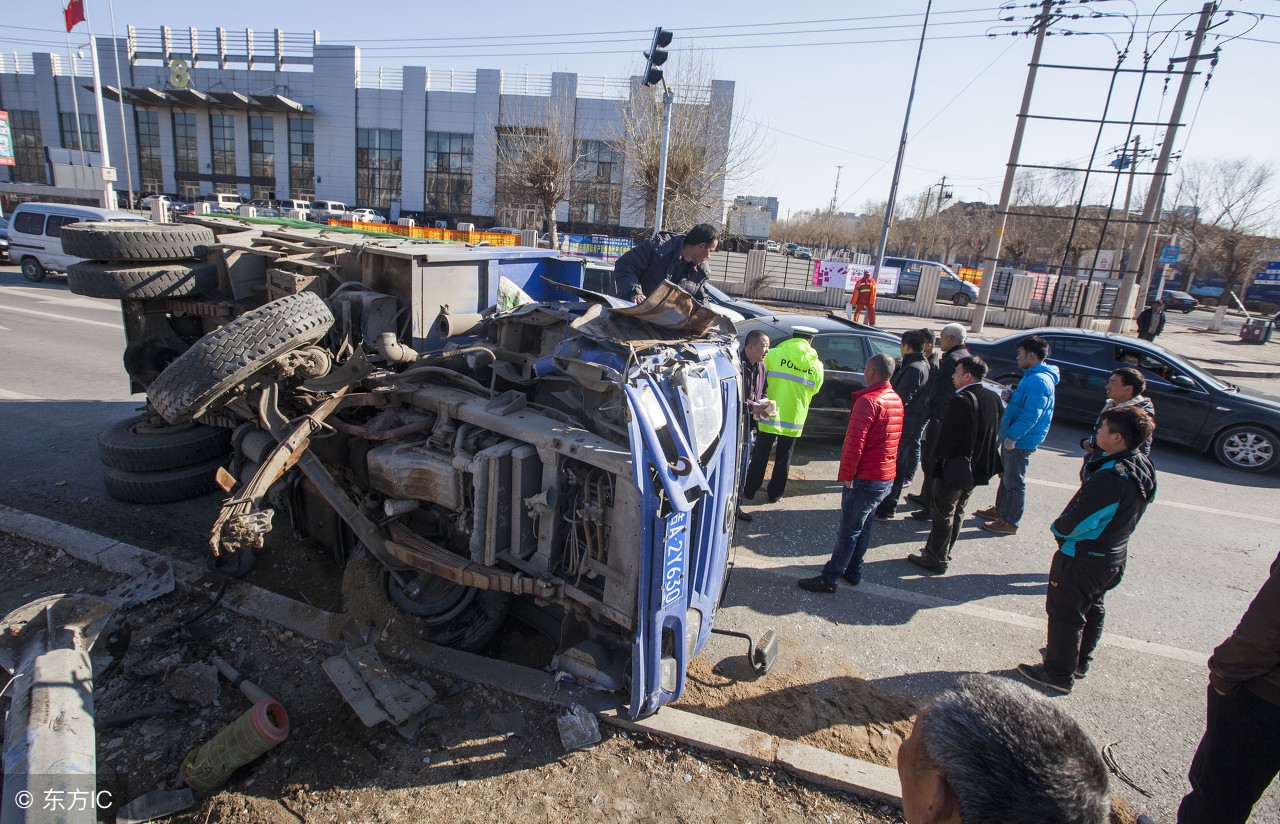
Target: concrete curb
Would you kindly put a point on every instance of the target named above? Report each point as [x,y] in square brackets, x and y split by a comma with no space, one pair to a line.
[829,770]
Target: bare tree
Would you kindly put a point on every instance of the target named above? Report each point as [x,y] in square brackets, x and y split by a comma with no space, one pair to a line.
[535,163]
[707,151]
[1226,206]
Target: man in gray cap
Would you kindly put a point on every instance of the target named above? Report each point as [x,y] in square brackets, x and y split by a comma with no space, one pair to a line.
[794,376]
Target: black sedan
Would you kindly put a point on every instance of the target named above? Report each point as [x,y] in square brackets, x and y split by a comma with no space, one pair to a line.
[1181,301]
[844,347]
[1193,408]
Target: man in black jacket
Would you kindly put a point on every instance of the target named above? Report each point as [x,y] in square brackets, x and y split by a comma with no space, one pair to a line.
[1093,546]
[666,256]
[967,455]
[911,381]
[940,392]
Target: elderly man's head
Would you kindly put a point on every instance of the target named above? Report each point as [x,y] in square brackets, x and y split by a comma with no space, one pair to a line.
[989,749]
[953,335]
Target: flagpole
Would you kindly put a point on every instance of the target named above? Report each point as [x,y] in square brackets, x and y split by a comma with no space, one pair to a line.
[124,131]
[75,102]
[108,190]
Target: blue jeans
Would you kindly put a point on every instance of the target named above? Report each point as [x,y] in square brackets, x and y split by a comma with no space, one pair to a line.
[857,506]
[1011,497]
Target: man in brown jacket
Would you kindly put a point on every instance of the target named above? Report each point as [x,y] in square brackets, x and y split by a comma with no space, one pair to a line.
[1239,755]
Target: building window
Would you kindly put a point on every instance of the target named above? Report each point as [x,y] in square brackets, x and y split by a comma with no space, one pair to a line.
[512,206]
[147,126]
[188,190]
[88,131]
[262,146]
[302,158]
[222,128]
[377,167]
[28,148]
[226,188]
[186,156]
[595,195]
[448,184]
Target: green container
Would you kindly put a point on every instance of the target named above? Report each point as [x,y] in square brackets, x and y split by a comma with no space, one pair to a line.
[207,767]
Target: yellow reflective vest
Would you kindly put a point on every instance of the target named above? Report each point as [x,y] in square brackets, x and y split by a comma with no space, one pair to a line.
[794,377]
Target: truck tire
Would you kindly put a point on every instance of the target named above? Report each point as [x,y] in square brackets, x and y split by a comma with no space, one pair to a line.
[202,377]
[92,279]
[452,615]
[135,241]
[162,487]
[136,445]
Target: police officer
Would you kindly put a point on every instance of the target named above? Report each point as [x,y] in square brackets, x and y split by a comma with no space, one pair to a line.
[794,377]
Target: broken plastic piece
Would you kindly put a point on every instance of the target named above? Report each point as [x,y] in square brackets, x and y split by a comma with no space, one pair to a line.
[578,728]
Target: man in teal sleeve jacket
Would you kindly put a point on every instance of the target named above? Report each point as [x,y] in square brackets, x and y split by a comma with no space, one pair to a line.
[1022,429]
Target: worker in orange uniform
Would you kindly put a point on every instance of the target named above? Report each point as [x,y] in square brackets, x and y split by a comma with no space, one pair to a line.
[863,297]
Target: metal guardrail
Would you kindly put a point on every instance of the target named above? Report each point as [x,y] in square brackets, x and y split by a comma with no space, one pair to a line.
[381,78]
[17,64]
[538,85]
[221,47]
[604,88]
[451,81]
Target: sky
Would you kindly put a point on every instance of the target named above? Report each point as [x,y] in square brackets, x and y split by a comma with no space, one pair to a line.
[822,84]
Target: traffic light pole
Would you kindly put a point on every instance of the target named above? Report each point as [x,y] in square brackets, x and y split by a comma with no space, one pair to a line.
[667,97]
[992,255]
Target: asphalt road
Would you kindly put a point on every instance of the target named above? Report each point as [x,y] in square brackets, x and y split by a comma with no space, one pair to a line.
[1196,561]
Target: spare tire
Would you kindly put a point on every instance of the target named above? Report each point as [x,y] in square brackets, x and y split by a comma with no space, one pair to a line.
[162,487]
[137,445]
[121,240]
[109,280]
[202,377]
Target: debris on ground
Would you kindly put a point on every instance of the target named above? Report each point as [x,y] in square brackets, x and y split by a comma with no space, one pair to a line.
[195,684]
[578,729]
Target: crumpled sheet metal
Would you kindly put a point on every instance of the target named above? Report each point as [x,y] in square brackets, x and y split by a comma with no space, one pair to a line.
[669,307]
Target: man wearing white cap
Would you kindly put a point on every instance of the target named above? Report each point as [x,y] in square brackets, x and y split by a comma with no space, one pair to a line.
[794,376]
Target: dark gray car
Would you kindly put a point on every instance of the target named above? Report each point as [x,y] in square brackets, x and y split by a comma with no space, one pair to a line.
[950,287]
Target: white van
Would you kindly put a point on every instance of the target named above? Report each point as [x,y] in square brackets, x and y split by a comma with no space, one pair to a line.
[223,200]
[288,205]
[35,234]
[328,208]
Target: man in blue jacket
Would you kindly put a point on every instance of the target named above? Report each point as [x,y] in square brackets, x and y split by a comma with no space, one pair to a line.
[1022,429]
[1093,546]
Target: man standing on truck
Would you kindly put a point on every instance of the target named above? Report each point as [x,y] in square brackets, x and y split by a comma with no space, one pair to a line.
[795,375]
[666,256]
[863,297]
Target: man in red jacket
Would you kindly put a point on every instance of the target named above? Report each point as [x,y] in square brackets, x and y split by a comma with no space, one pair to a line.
[868,464]
[1239,755]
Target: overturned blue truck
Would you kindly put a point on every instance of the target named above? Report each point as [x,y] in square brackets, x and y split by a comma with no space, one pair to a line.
[469,417]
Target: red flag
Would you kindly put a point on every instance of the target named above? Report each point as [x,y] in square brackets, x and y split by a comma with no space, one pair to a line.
[74,13]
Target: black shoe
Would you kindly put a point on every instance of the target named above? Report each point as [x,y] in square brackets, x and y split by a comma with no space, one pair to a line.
[852,580]
[773,499]
[816,585]
[1036,675]
[883,515]
[744,517]
[916,499]
[927,565]
[922,515]
[1082,669]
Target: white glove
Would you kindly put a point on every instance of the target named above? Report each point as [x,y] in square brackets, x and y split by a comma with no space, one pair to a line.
[1010,444]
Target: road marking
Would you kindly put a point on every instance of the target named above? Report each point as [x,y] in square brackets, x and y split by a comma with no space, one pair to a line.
[6,395]
[1248,516]
[61,317]
[63,299]
[786,567]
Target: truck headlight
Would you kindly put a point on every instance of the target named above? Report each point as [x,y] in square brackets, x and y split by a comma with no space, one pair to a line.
[706,407]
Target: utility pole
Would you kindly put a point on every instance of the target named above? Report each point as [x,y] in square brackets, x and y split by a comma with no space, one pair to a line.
[667,96]
[1137,252]
[943,194]
[108,190]
[836,193]
[1006,191]
[902,148]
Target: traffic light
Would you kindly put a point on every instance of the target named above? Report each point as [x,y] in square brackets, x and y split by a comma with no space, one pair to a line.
[657,56]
